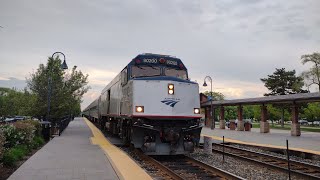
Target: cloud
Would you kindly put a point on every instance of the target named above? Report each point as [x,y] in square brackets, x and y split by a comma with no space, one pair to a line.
[100,76]
[89,97]
[236,42]
[235,89]
[4,79]
[12,82]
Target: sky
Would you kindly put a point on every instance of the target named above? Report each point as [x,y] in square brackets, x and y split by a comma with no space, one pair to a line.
[236,42]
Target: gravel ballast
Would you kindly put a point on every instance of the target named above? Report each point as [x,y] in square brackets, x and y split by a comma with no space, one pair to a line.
[259,150]
[239,167]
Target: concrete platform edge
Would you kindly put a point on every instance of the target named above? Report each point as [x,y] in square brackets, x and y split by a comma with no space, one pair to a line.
[123,173]
[262,145]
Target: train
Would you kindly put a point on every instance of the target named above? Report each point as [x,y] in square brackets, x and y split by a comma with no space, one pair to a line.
[151,104]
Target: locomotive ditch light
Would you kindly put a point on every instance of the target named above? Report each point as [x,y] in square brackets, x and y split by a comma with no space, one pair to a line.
[171,89]
[196,110]
[140,109]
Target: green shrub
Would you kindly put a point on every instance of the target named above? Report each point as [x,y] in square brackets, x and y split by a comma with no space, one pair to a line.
[24,148]
[9,159]
[33,145]
[39,140]
[36,124]
[13,155]
[11,135]
[25,132]
[2,141]
[18,152]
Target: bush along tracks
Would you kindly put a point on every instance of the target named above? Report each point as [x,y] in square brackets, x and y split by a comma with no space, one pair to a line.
[18,142]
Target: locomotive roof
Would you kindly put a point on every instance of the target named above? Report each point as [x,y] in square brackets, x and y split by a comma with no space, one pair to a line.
[156,55]
[168,60]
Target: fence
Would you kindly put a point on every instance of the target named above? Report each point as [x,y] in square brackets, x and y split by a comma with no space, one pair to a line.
[60,125]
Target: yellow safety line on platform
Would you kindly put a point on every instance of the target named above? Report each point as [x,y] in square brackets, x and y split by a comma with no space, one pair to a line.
[262,145]
[124,166]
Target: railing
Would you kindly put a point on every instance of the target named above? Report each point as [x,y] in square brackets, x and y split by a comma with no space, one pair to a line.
[60,125]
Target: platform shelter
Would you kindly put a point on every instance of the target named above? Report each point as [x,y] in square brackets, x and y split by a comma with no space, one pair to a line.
[293,100]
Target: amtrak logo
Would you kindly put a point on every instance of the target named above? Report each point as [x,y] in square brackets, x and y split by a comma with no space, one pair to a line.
[170,101]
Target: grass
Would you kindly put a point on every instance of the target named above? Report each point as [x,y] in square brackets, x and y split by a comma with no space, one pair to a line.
[288,127]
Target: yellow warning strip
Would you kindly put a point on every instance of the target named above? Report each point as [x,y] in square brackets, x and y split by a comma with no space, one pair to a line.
[262,145]
[124,166]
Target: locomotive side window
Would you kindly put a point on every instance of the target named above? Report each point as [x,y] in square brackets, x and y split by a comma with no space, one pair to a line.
[145,71]
[124,77]
[179,73]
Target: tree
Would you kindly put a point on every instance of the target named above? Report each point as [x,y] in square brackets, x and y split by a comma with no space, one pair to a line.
[313,75]
[13,102]
[231,112]
[66,89]
[217,96]
[311,112]
[248,112]
[283,82]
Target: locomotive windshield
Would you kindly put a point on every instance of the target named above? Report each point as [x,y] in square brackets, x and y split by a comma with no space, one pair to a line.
[145,71]
[179,73]
[147,65]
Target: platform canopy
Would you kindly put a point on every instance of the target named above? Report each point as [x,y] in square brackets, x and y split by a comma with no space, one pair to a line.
[280,99]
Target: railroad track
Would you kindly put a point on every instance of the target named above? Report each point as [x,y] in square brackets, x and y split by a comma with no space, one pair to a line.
[301,169]
[183,167]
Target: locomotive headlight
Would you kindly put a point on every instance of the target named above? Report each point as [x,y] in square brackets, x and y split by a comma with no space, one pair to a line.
[140,109]
[196,110]
[170,88]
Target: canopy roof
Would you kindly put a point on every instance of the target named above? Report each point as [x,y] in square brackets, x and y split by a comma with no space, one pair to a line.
[280,99]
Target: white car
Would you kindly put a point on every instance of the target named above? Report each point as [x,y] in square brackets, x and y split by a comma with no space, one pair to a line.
[9,119]
[303,122]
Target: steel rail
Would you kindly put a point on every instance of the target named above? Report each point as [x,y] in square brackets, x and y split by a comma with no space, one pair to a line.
[275,157]
[273,162]
[197,164]
[160,166]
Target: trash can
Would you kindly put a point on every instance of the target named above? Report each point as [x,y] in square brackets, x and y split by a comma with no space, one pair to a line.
[247,126]
[232,125]
[46,130]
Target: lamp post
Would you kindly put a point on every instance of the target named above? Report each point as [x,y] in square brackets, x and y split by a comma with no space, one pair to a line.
[211,108]
[63,66]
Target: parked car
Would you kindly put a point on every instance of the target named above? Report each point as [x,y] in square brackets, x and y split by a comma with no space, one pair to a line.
[9,119]
[18,118]
[303,122]
[316,123]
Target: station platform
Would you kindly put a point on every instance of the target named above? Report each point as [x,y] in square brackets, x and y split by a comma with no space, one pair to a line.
[309,142]
[80,153]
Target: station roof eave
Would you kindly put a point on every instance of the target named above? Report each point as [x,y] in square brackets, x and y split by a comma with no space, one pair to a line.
[280,99]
